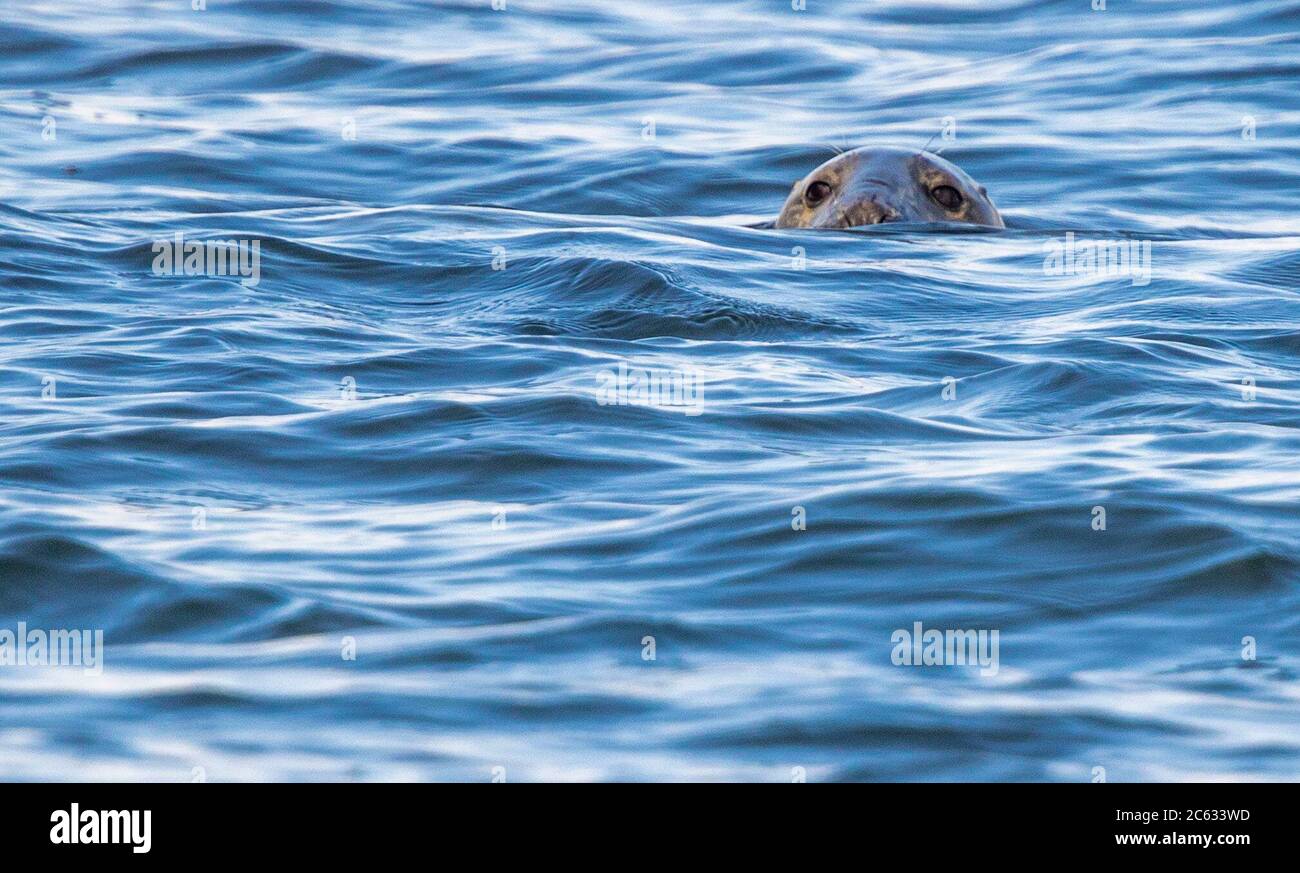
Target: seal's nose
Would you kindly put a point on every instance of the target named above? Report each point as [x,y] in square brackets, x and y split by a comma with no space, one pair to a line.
[869,206]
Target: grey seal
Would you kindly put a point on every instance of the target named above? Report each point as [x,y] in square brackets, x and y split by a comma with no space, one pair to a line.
[877,184]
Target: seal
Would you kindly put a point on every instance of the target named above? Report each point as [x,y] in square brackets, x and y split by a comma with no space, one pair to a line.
[876,184]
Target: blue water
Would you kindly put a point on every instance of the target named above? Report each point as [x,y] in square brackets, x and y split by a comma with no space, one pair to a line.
[389,449]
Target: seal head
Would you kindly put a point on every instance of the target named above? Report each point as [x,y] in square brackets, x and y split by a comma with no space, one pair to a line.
[876,184]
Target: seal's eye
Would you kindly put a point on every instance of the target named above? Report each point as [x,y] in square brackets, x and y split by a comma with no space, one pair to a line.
[816,192]
[946,196]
